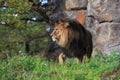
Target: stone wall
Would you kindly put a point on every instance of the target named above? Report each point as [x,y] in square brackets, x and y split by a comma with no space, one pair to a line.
[101,17]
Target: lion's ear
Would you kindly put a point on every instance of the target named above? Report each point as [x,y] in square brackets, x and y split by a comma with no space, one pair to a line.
[55,24]
[66,24]
[60,22]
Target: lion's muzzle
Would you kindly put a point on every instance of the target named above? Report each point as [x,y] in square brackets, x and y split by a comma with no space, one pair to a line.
[54,40]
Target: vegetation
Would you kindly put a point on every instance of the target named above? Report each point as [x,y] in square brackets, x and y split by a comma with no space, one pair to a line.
[21,27]
[24,67]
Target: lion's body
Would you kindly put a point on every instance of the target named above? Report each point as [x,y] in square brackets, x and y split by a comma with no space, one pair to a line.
[73,37]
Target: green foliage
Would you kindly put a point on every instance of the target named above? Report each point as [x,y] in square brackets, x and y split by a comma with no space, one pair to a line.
[12,40]
[16,31]
[35,68]
[13,7]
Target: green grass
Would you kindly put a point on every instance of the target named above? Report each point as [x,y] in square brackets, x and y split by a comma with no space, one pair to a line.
[35,68]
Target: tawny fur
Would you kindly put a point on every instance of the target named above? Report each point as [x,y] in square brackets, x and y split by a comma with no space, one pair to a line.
[61,58]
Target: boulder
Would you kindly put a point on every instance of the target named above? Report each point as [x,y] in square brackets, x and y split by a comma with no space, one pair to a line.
[79,15]
[107,37]
[75,4]
[104,20]
[104,10]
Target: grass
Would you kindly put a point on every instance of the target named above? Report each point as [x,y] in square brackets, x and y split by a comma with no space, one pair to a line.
[35,68]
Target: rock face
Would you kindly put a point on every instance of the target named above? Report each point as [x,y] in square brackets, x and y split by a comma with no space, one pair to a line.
[104,10]
[107,37]
[106,24]
[75,4]
[79,15]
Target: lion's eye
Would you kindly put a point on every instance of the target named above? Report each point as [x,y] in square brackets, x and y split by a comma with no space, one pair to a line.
[57,31]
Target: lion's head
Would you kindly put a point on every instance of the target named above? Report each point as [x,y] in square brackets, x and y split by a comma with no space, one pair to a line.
[63,34]
[60,34]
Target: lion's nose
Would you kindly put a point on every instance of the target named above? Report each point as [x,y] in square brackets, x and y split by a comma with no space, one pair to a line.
[53,39]
[51,34]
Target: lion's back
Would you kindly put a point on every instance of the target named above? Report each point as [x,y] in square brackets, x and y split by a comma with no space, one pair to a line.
[82,43]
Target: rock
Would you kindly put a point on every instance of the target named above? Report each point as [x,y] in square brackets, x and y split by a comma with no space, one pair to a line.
[104,10]
[70,14]
[107,37]
[79,15]
[104,21]
[75,4]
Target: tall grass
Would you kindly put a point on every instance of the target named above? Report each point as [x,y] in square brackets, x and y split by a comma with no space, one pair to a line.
[35,68]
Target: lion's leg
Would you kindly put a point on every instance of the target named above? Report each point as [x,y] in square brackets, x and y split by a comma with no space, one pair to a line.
[79,59]
[89,52]
[85,58]
[89,55]
[60,58]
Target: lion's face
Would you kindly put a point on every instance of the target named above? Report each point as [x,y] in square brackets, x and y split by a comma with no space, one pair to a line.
[60,34]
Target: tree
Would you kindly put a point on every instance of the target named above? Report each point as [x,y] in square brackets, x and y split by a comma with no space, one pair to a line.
[22,24]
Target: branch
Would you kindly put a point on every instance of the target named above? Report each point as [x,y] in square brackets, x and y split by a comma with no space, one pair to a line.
[35,36]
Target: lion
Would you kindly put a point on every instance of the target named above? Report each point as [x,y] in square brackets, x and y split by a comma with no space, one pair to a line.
[72,36]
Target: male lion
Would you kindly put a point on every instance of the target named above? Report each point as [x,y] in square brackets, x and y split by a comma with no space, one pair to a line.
[72,36]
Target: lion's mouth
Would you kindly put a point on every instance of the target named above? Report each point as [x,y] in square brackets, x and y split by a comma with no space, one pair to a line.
[54,39]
